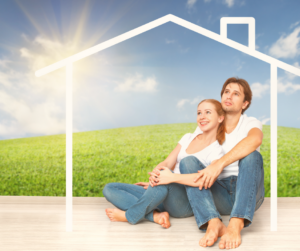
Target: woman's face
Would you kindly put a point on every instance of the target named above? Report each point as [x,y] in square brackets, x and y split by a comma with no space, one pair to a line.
[207,117]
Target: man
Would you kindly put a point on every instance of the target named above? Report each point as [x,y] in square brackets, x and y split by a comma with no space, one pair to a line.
[239,190]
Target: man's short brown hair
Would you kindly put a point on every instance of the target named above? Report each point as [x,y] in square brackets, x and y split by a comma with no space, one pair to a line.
[246,88]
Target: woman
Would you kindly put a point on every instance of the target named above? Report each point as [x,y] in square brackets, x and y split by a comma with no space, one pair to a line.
[156,203]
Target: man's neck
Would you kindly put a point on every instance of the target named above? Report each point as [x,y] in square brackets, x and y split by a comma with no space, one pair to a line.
[232,119]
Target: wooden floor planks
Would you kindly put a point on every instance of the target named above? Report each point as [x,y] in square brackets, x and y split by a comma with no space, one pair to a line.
[38,223]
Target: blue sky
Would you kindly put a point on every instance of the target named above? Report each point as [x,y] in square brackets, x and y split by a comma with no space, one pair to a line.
[157,77]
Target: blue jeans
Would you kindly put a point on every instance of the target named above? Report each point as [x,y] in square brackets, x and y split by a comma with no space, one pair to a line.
[140,203]
[238,196]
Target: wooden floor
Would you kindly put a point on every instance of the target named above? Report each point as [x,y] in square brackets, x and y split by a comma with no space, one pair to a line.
[38,223]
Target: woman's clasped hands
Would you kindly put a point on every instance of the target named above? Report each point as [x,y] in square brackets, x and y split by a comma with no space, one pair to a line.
[160,175]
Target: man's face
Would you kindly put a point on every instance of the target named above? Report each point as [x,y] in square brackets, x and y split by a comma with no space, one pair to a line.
[233,98]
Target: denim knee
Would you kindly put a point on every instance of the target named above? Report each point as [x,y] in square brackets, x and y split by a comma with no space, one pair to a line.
[251,161]
[107,190]
[190,164]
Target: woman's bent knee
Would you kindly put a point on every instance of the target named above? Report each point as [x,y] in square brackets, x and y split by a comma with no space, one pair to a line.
[190,164]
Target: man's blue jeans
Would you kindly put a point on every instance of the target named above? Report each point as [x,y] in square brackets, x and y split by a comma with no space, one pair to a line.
[238,196]
[140,203]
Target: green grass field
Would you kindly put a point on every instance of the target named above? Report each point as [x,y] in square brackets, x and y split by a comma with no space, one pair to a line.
[36,166]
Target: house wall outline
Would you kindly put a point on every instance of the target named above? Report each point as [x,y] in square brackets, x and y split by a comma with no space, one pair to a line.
[222,38]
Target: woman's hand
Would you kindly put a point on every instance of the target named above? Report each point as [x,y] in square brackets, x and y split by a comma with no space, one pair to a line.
[154,174]
[142,184]
[208,175]
[165,176]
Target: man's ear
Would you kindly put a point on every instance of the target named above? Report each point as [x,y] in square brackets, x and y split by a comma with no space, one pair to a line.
[246,103]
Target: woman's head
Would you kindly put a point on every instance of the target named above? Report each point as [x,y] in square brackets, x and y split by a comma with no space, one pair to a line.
[210,115]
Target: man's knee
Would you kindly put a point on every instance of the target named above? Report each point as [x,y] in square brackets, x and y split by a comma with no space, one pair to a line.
[253,160]
[190,164]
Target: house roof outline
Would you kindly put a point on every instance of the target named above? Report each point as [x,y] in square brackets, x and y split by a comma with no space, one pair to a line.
[222,38]
[160,21]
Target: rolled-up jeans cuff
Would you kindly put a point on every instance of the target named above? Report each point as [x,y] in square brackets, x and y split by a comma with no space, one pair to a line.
[148,217]
[245,217]
[207,220]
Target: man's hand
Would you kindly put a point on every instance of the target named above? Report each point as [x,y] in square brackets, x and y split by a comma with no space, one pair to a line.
[209,175]
[143,184]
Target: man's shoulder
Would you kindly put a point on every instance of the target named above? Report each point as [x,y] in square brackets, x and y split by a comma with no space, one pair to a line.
[250,122]
[247,119]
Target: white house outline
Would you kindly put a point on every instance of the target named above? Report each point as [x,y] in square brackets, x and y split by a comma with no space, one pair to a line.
[250,50]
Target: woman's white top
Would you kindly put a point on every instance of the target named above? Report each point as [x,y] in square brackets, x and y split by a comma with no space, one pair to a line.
[206,156]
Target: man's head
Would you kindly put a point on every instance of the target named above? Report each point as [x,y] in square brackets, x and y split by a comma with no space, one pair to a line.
[236,95]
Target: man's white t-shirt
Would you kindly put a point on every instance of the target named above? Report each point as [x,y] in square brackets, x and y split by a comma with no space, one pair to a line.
[244,125]
[206,156]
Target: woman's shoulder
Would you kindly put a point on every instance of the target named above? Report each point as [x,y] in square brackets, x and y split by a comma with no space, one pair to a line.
[186,137]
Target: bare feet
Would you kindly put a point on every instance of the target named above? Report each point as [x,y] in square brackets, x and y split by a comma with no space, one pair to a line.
[115,214]
[232,237]
[215,229]
[161,219]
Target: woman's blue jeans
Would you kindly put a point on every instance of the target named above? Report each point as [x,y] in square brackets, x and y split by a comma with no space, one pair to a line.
[140,203]
[238,196]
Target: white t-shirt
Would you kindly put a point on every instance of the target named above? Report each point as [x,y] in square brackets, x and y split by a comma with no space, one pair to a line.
[206,156]
[240,132]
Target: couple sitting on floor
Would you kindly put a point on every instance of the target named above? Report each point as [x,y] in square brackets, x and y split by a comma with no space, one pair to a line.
[215,170]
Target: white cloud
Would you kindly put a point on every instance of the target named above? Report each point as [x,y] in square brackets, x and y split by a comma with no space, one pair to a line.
[25,53]
[259,89]
[294,24]
[196,100]
[137,83]
[265,121]
[229,3]
[182,102]
[291,76]
[183,50]
[170,41]
[190,3]
[31,105]
[285,86]
[29,118]
[48,44]
[287,46]
[4,63]
[193,101]
[180,48]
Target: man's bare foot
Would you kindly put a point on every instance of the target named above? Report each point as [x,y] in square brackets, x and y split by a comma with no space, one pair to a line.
[232,237]
[161,219]
[115,214]
[215,229]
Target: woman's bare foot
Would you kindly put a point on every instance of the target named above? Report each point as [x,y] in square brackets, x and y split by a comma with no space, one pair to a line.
[215,229]
[232,237]
[161,219]
[115,214]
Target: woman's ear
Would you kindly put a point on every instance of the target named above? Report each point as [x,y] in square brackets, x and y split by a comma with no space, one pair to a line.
[220,119]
